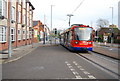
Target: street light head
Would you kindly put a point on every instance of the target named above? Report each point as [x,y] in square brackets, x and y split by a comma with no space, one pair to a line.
[110,7]
[70,15]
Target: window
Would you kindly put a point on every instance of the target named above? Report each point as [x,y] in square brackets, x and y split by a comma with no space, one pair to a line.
[24,3]
[27,6]
[19,1]
[24,34]
[13,13]
[0,7]
[28,21]
[82,33]
[19,34]
[23,19]
[19,17]
[31,12]
[31,21]
[30,34]
[2,34]
[27,34]
[3,8]
[12,34]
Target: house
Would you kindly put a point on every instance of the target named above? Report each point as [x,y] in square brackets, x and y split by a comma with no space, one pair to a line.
[16,20]
[38,28]
[119,14]
[104,34]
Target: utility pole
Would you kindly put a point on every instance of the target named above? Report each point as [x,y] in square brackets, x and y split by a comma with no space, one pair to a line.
[51,25]
[9,31]
[112,29]
[44,30]
[69,15]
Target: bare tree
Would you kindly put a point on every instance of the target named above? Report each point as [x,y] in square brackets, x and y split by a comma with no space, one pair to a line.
[102,22]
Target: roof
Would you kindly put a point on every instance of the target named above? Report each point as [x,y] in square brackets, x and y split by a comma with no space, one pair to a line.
[108,30]
[28,1]
[35,23]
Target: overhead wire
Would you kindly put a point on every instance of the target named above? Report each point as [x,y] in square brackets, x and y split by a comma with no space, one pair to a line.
[78,6]
[75,9]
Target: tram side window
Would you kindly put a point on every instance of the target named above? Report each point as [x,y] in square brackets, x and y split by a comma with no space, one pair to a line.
[64,39]
[67,37]
[70,35]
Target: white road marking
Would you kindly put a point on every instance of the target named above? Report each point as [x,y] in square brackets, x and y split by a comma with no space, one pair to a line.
[75,62]
[79,77]
[86,72]
[76,74]
[68,64]
[91,77]
[82,69]
[72,69]
[79,66]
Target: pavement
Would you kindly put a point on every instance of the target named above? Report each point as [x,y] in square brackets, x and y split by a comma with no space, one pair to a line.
[20,52]
[107,49]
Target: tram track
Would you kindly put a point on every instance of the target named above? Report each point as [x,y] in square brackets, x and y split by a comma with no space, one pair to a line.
[98,64]
[106,55]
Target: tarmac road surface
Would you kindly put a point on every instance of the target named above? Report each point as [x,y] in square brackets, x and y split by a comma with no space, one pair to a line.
[52,62]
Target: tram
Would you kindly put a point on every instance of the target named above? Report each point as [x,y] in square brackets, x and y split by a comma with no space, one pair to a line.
[78,37]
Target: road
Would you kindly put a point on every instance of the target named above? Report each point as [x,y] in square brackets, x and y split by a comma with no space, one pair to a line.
[53,62]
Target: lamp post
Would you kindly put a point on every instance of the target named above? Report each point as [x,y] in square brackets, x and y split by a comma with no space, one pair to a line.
[51,24]
[69,15]
[112,29]
[44,34]
[9,31]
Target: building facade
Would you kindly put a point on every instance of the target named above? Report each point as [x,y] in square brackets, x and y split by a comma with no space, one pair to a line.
[119,14]
[16,19]
[41,32]
[38,31]
[104,34]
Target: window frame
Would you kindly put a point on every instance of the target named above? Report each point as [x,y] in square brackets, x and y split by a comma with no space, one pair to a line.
[13,34]
[19,17]
[3,8]
[13,13]
[19,34]
[24,3]
[3,34]
[24,34]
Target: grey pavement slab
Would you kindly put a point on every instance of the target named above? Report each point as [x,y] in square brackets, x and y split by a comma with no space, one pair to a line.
[109,51]
[107,63]
[20,52]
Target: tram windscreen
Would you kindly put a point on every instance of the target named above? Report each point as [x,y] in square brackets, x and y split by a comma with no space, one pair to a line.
[84,34]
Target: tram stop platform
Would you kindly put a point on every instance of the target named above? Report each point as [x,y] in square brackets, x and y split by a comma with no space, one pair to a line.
[107,49]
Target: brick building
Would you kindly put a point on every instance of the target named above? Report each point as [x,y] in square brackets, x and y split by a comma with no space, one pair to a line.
[107,32]
[21,14]
[38,31]
[119,14]
[41,32]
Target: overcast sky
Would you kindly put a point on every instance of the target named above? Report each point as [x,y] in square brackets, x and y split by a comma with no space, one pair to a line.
[87,13]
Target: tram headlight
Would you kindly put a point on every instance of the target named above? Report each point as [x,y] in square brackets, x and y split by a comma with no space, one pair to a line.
[76,42]
[89,42]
